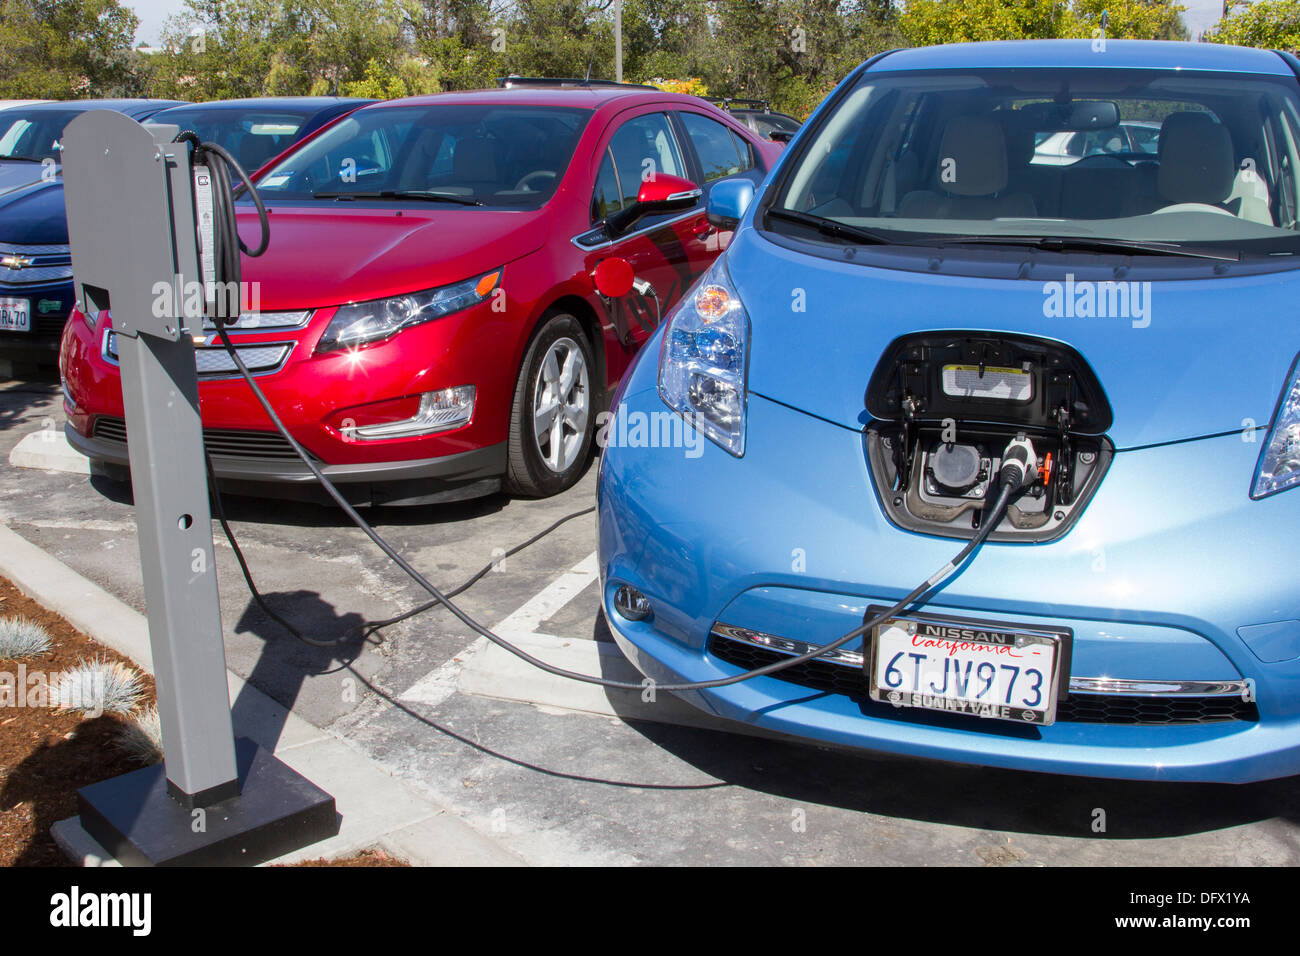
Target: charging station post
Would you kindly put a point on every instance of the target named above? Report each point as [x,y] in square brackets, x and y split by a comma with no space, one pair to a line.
[135,254]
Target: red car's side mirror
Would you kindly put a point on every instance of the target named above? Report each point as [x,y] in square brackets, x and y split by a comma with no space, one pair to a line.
[660,193]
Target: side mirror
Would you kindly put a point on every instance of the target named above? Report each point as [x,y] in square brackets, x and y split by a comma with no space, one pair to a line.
[781,135]
[660,194]
[728,201]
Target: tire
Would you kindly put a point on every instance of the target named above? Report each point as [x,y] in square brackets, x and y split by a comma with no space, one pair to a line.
[557,374]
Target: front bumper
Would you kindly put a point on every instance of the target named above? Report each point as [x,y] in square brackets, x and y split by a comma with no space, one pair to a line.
[1155,581]
[457,477]
[50,304]
[312,394]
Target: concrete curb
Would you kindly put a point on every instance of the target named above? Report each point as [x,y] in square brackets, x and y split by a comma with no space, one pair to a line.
[49,450]
[377,808]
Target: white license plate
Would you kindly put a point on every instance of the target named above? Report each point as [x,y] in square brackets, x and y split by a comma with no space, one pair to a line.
[15,315]
[967,667]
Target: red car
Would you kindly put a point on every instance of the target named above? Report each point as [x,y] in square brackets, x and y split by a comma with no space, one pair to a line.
[425,319]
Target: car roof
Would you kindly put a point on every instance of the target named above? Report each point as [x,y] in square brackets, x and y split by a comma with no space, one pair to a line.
[1080,54]
[131,107]
[297,104]
[588,97]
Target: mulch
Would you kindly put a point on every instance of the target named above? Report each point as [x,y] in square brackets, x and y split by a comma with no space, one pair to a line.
[46,755]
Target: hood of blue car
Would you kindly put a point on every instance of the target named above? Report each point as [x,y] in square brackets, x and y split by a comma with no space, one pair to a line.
[1209,356]
[31,208]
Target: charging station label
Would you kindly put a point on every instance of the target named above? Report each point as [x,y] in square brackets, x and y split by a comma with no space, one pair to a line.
[204,224]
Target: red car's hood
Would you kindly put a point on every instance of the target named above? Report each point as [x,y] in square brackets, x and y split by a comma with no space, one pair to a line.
[328,256]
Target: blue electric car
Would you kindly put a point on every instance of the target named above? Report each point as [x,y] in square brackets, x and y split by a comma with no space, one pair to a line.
[909,303]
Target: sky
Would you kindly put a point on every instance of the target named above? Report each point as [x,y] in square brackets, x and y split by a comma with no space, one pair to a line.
[153,13]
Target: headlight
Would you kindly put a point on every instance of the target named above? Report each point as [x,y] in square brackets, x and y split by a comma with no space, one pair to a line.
[704,359]
[363,322]
[1279,462]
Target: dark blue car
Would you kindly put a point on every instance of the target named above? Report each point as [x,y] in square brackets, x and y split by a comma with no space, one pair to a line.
[35,267]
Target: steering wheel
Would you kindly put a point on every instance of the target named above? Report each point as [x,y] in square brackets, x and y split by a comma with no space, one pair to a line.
[535,174]
[1194,207]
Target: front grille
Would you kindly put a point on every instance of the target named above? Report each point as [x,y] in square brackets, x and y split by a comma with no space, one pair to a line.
[1078,708]
[220,442]
[34,265]
[49,325]
[215,360]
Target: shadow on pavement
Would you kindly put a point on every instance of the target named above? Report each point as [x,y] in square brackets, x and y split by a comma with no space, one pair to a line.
[974,797]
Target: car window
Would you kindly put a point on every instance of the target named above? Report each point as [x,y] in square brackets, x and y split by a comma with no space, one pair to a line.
[642,147]
[991,154]
[251,136]
[606,198]
[36,135]
[716,146]
[477,154]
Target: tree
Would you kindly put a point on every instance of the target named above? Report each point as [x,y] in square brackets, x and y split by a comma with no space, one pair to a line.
[62,49]
[925,22]
[1273,24]
[219,49]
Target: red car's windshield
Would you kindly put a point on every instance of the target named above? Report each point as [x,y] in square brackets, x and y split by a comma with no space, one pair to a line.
[477,154]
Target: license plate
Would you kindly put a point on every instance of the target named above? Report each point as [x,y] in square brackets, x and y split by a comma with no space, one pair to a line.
[15,315]
[980,668]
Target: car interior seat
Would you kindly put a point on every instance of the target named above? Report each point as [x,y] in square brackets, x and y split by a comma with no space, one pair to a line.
[971,176]
[1197,169]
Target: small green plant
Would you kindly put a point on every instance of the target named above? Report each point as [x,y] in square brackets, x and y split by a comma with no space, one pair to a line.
[20,637]
[141,738]
[98,686]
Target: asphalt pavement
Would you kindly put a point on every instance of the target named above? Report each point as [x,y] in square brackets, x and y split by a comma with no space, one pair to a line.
[559,773]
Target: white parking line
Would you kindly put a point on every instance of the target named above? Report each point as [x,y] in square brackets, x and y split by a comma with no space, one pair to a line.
[546,603]
[440,683]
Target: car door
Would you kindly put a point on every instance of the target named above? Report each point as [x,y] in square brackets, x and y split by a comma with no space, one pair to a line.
[637,146]
[717,152]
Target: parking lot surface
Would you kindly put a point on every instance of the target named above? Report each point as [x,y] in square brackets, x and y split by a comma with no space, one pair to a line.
[564,774]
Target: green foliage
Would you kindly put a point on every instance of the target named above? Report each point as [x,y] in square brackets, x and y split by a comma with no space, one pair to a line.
[925,22]
[63,49]
[1273,24]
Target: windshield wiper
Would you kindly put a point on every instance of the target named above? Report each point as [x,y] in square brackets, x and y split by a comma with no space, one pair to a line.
[400,194]
[21,159]
[1084,243]
[831,227]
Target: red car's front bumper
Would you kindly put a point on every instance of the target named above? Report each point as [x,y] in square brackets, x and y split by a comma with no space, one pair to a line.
[318,396]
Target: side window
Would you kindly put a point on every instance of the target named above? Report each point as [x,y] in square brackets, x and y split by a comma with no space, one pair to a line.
[717,148]
[12,136]
[642,147]
[605,199]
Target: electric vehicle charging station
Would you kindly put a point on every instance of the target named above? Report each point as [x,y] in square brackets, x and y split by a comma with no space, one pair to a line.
[133,225]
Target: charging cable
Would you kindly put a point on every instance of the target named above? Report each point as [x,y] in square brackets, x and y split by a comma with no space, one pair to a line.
[1010,479]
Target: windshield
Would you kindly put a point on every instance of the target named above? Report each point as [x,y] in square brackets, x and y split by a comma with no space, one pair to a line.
[1120,156]
[492,155]
[251,136]
[34,136]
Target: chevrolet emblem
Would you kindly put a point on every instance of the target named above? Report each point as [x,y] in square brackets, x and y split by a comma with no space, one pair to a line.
[16,262]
